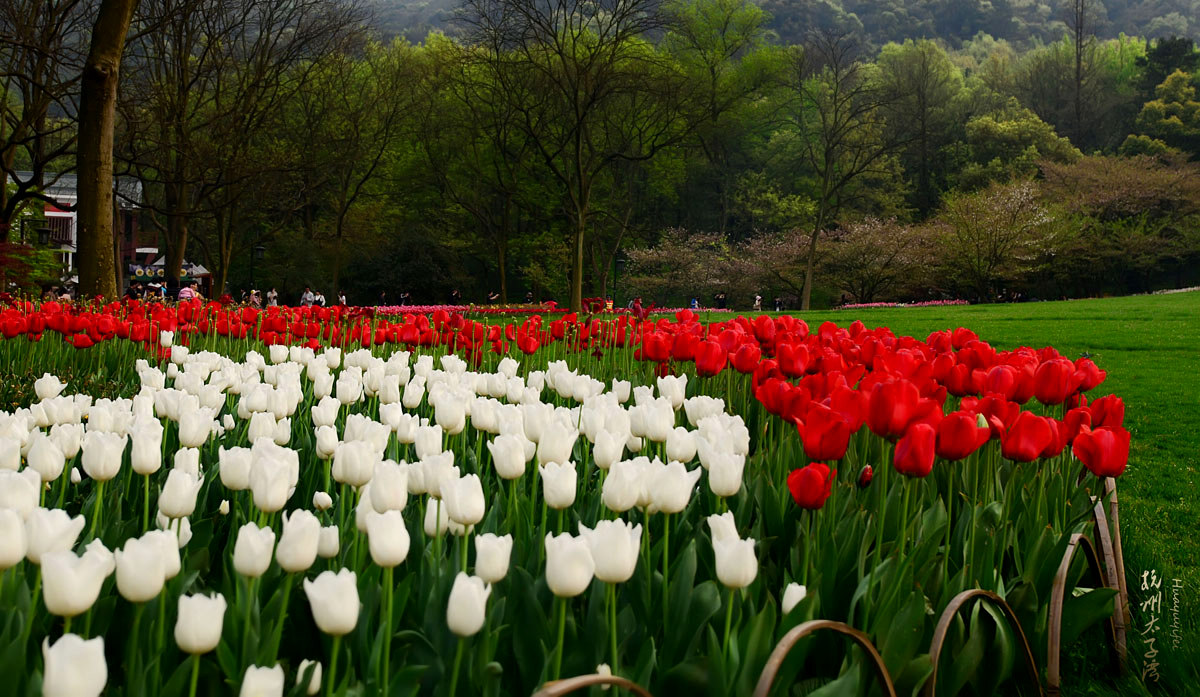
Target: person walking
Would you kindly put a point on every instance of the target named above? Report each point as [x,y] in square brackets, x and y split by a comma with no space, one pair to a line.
[272,298]
[307,298]
[757,302]
[319,299]
[342,298]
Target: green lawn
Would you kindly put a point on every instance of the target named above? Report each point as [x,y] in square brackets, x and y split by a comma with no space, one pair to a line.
[1150,346]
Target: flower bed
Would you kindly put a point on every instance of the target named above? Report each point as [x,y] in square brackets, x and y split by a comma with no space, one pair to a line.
[447,506]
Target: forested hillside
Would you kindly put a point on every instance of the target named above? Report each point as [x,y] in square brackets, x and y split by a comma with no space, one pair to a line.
[1024,22]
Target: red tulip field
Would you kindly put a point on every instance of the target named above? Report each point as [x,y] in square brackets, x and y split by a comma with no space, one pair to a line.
[214,500]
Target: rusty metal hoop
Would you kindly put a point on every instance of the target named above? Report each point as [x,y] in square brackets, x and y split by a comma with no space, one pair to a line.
[1057,593]
[943,626]
[789,640]
[569,685]
[1114,571]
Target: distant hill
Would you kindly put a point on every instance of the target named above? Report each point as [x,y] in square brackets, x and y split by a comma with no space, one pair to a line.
[879,21]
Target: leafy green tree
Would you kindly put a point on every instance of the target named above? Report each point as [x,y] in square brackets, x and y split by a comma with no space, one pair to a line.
[1008,143]
[1170,121]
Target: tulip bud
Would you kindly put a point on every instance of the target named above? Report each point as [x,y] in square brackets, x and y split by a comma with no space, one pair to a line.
[334,601]
[45,457]
[559,482]
[198,626]
[178,498]
[354,462]
[322,501]
[20,491]
[329,543]
[467,608]
[145,456]
[180,529]
[737,566]
[387,538]
[76,477]
[681,445]
[670,487]
[463,499]
[389,487]
[13,542]
[865,477]
[74,667]
[624,485]
[141,569]
[223,509]
[252,550]
[722,527]
[314,682]
[102,453]
[168,549]
[234,466]
[50,530]
[327,442]
[792,595]
[569,565]
[556,442]
[297,548]
[165,339]
[614,545]
[508,455]
[263,682]
[492,555]
[194,427]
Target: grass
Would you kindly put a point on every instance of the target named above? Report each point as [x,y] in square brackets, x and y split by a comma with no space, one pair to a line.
[1150,346]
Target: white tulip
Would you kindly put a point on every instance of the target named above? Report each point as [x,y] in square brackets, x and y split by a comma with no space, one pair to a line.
[463,499]
[20,491]
[234,466]
[252,550]
[178,497]
[792,595]
[614,545]
[329,543]
[50,530]
[467,607]
[737,565]
[48,386]
[74,667]
[569,565]
[389,486]
[559,482]
[13,539]
[199,622]
[387,538]
[333,598]
[141,569]
[263,682]
[299,541]
[492,556]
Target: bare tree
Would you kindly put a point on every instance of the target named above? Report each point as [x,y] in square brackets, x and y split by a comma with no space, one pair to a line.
[1081,19]
[42,50]
[97,115]
[203,85]
[588,89]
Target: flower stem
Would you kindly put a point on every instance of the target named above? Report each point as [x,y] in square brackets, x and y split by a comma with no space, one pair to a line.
[562,629]
[97,509]
[332,680]
[146,504]
[195,674]
[458,654]
[728,624]
[612,612]
[666,562]
[385,666]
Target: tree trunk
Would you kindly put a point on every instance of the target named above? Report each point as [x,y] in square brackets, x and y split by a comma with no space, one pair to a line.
[97,113]
[577,265]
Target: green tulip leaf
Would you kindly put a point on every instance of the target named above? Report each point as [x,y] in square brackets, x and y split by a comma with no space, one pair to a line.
[1080,612]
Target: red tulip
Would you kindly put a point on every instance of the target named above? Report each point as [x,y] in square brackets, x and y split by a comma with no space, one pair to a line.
[959,435]
[1107,411]
[655,347]
[811,485]
[710,358]
[915,450]
[1088,374]
[865,477]
[1104,451]
[1075,421]
[825,433]
[745,358]
[793,359]
[1054,381]
[891,407]
[1025,440]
